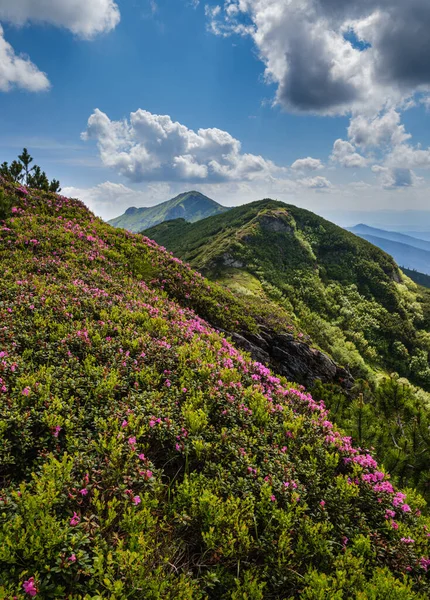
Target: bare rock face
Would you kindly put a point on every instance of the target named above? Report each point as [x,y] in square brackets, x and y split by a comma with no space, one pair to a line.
[292,358]
[275,222]
[229,261]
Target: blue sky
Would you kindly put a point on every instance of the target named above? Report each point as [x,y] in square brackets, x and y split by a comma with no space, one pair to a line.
[246,87]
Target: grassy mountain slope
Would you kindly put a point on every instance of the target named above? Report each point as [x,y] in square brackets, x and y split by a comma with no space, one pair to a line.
[407,256]
[191,206]
[314,268]
[394,236]
[346,296]
[142,456]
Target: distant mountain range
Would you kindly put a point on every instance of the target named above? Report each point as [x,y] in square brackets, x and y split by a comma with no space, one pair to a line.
[191,206]
[408,251]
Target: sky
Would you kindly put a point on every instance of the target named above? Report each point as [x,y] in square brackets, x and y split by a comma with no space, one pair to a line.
[319,103]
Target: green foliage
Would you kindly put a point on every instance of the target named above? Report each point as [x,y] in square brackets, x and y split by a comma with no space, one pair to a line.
[392,417]
[20,172]
[5,206]
[341,290]
[142,456]
[419,278]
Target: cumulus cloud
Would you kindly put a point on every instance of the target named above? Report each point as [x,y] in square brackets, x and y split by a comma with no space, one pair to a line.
[82,17]
[307,164]
[344,153]
[150,147]
[395,178]
[315,183]
[382,130]
[332,57]
[19,71]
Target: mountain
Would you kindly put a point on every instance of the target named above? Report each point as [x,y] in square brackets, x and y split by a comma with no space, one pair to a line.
[314,265]
[143,456]
[407,256]
[422,235]
[191,206]
[344,296]
[365,230]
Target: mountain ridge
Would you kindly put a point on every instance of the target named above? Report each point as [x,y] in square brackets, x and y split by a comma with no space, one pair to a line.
[191,206]
[394,236]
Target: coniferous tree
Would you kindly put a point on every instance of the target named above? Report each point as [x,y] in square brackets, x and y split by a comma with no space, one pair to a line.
[20,171]
[15,171]
[26,160]
[38,179]
[54,186]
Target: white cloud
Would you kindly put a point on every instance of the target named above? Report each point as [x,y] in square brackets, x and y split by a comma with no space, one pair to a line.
[333,57]
[380,130]
[85,18]
[315,183]
[395,178]
[152,147]
[19,71]
[307,164]
[344,153]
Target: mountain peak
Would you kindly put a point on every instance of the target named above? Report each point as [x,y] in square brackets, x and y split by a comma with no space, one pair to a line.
[191,206]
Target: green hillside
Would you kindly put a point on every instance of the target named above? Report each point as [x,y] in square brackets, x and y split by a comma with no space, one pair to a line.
[316,268]
[191,206]
[346,297]
[143,456]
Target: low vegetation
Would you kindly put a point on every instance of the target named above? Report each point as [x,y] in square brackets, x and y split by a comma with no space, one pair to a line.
[345,296]
[143,456]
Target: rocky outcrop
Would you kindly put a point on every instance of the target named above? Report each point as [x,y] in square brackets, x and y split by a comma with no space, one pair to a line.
[230,261]
[292,358]
[275,222]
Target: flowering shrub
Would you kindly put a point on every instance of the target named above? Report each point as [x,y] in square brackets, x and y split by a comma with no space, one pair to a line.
[143,456]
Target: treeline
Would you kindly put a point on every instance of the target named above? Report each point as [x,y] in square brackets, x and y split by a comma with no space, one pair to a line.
[22,171]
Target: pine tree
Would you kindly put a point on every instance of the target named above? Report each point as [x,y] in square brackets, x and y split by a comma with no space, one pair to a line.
[15,171]
[38,179]
[26,160]
[54,186]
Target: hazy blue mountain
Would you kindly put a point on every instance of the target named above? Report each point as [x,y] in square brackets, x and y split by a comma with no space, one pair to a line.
[404,254]
[394,236]
[422,235]
[191,206]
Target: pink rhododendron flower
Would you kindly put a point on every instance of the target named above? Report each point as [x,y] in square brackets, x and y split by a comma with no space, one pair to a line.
[425,563]
[57,430]
[322,503]
[137,500]
[26,391]
[72,558]
[30,587]
[75,520]
[83,492]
